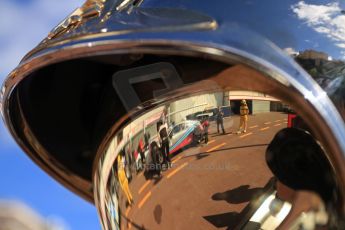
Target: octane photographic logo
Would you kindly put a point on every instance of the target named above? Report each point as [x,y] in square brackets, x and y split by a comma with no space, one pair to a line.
[196,167]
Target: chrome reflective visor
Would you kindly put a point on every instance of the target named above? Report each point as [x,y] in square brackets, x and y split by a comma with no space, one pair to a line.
[180,122]
[240,153]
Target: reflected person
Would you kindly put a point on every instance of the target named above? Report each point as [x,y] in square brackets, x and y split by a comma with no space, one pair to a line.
[205,125]
[123,179]
[244,111]
[141,150]
[220,119]
[164,141]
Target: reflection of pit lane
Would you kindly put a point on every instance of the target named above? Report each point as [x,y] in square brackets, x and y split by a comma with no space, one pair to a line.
[223,149]
[176,159]
[176,170]
[245,135]
[129,225]
[215,147]
[211,141]
[146,197]
[144,186]
[178,197]
[206,166]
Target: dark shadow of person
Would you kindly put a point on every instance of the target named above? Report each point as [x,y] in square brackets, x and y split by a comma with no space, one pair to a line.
[222,220]
[157,213]
[238,195]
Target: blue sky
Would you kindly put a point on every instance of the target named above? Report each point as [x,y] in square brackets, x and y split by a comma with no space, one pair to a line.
[296,25]
[23,24]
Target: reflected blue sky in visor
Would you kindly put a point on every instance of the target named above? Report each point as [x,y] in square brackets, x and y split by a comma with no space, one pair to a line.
[320,25]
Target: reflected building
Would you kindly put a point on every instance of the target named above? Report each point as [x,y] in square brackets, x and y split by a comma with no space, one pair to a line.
[313,54]
[15,215]
[329,74]
[189,108]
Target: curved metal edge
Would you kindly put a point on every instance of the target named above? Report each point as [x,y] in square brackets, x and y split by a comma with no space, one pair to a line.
[211,25]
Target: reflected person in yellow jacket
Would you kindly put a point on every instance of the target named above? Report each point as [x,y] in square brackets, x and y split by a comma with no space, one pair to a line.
[244,111]
[123,179]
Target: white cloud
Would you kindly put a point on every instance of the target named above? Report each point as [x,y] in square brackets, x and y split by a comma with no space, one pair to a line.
[290,51]
[341,45]
[324,19]
[322,29]
[57,223]
[315,14]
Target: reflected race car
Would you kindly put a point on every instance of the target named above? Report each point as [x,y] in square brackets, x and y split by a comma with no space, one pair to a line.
[181,135]
[184,134]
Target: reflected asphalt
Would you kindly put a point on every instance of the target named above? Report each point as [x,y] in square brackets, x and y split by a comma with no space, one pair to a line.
[208,185]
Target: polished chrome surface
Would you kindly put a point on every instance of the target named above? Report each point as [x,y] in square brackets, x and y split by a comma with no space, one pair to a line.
[90,9]
[244,168]
[285,44]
